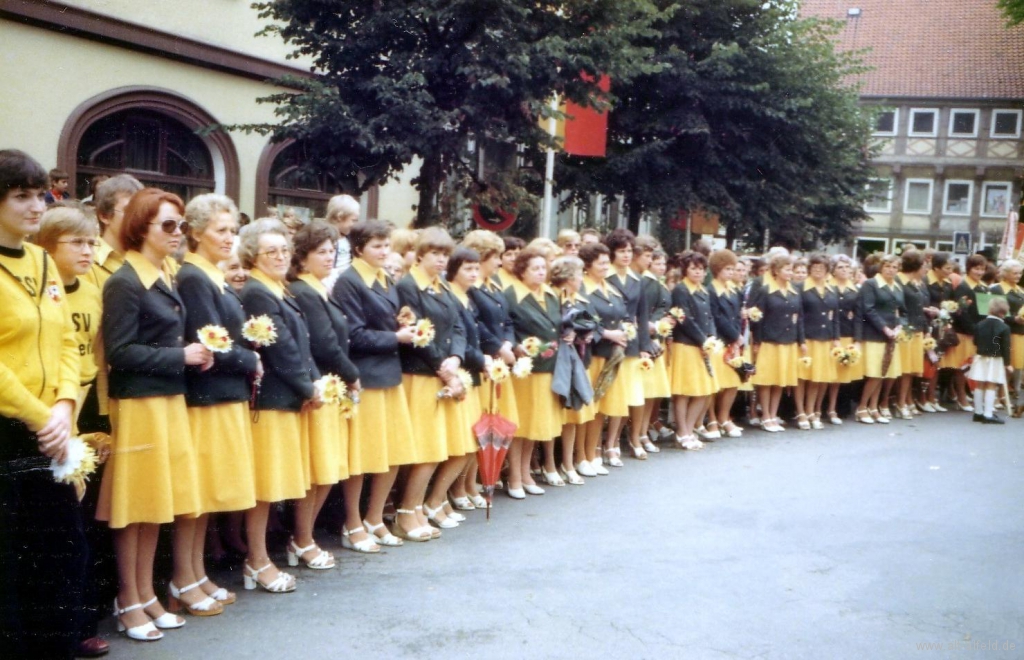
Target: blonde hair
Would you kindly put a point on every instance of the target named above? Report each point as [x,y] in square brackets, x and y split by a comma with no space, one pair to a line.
[434,238]
[61,221]
[486,243]
[568,236]
[546,247]
[249,238]
[200,210]
[340,205]
[404,240]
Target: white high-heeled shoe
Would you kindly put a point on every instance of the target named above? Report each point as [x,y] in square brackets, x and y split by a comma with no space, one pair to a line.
[165,621]
[585,469]
[533,489]
[388,539]
[321,562]
[221,595]
[206,607]
[447,523]
[367,545]
[418,534]
[143,632]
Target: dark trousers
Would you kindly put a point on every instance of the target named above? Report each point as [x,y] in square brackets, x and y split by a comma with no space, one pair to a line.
[43,553]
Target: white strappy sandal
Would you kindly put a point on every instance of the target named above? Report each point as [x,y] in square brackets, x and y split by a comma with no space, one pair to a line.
[142,633]
[388,539]
[322,562]
[367,545]
[417,534]
[282,584]
[208,606]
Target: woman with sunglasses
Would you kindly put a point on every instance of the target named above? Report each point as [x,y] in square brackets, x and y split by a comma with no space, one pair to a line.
[152,477]
[217,399]
[285,391]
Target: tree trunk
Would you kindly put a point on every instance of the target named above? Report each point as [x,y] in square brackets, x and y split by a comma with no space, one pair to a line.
[429,184]
[634,209]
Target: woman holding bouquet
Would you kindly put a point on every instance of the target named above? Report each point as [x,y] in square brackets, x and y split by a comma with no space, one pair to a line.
[851,369]
[218,398]
[778,336]
[694,348]
[726,310]
[620,244]
[152,477]
[883,309]
[381,437]
[1009,286]
[966,317]
[327,431]
[431,380]
[287,388]
[659,299]
[536,316]
[940,292]
[43,565]
[821,328]
[919,309]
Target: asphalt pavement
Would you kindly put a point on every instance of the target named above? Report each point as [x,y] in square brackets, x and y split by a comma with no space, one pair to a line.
[898,541]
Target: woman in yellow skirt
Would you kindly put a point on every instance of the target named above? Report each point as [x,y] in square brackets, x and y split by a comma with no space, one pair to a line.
[286,389]
[536,317]
[821,331]
[381,437]
[693,377]
[218,410]
[1009,286]
[883,310]
[916,298]
[566,279]
[966,317]
[727,311]
[327,431]
[427,371]
[608,306]
[849,331]
[497,339]
[152,475]
[777,327]
[651,264]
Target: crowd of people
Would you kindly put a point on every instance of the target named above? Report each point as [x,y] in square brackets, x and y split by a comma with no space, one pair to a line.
[107,308]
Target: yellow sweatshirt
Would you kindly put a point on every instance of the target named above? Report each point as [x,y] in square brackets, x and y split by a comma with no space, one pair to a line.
[86,312]
[39,361]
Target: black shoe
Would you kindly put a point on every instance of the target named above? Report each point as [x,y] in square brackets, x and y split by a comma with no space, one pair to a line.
[978,417]
[992,420]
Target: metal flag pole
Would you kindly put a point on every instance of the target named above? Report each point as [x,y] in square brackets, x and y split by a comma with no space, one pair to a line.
[549,177]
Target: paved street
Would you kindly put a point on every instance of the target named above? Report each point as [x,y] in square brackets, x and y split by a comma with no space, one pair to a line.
[856,542]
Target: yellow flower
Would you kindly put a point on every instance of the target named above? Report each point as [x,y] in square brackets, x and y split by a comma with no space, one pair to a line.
[950,306]
[930,343]
[646,364]
[902,336]
[523,367]
[260,330]
[663,327]
[498,372]
[423,333]
[805,361]
[532,346]
[79,463]
[630,330]
[713,346]
[347,407]
[838,353]
[755,314]
[854,354]
[333,388]
[736,362]
[215,338]
[678,314]
[466,378]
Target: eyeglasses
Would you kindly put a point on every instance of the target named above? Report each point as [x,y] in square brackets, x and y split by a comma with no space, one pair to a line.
[170,225]
[80,243]
[276,253]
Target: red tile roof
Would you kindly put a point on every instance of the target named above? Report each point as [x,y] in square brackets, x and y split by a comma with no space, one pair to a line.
[932,48]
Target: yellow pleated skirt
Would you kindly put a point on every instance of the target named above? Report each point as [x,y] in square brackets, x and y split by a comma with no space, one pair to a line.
[585,414]
[326,445]
[540,411]
[381,427]
[151,475]
[1017,351]
[912,355]
[955,357]
[505,403]
[778,365]
[874,352]
[430,429]
[689,374]
[727,377]
[656,383]
[281,467]
[823,366]
[627,389]
[469,414]
[224,456]
[848,373]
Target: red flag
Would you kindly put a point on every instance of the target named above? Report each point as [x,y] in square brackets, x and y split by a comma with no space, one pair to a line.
[586,131]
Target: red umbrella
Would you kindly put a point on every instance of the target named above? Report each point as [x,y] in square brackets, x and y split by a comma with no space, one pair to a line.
[494,433]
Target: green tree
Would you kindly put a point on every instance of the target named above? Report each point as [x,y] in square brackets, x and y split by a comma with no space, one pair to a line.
[1014,10]
[398,81]
[751,115]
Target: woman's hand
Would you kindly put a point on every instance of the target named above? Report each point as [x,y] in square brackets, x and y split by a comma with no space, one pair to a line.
[644,355]
[405,334]
[356,386]
[931,312]
[507,354]
[196,355]
[447,369]
[569,337]
[519,352]
[259,369]
[803,350]
[836,343]
[889,332]
[617,337]
[53,437]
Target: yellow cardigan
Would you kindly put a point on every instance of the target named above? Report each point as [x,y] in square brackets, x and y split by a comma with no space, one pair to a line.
[39,361]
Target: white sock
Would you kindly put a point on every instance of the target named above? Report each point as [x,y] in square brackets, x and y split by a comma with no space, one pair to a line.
[979,400]
[990,402]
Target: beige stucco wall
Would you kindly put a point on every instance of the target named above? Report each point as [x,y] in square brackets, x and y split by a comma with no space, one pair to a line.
[48,75]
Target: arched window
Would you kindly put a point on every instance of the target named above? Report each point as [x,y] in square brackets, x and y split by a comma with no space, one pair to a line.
[157,150]
[151,134]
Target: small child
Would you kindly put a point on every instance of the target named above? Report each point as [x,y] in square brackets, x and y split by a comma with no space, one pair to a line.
[992,362]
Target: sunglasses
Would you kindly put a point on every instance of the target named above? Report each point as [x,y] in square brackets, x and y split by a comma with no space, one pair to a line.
[170,225]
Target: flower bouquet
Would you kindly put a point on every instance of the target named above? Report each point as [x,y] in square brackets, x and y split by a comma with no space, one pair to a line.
[332,388]
[260,330]
[630,330]
[677,313]
[523,367]
[929,343]
[713,346]
[646,364]
[498,372]
[535,347]
[215,338]
[805,361]
[423,333]
[663,328]
[755,315]
[76,467]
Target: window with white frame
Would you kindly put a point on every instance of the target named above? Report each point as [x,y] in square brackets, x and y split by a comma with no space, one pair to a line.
[995,198]
[918,198]
[924,122]
[963,123]
[944,246]
[1006,123]
[886,122]
[958,197]
[879,196]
